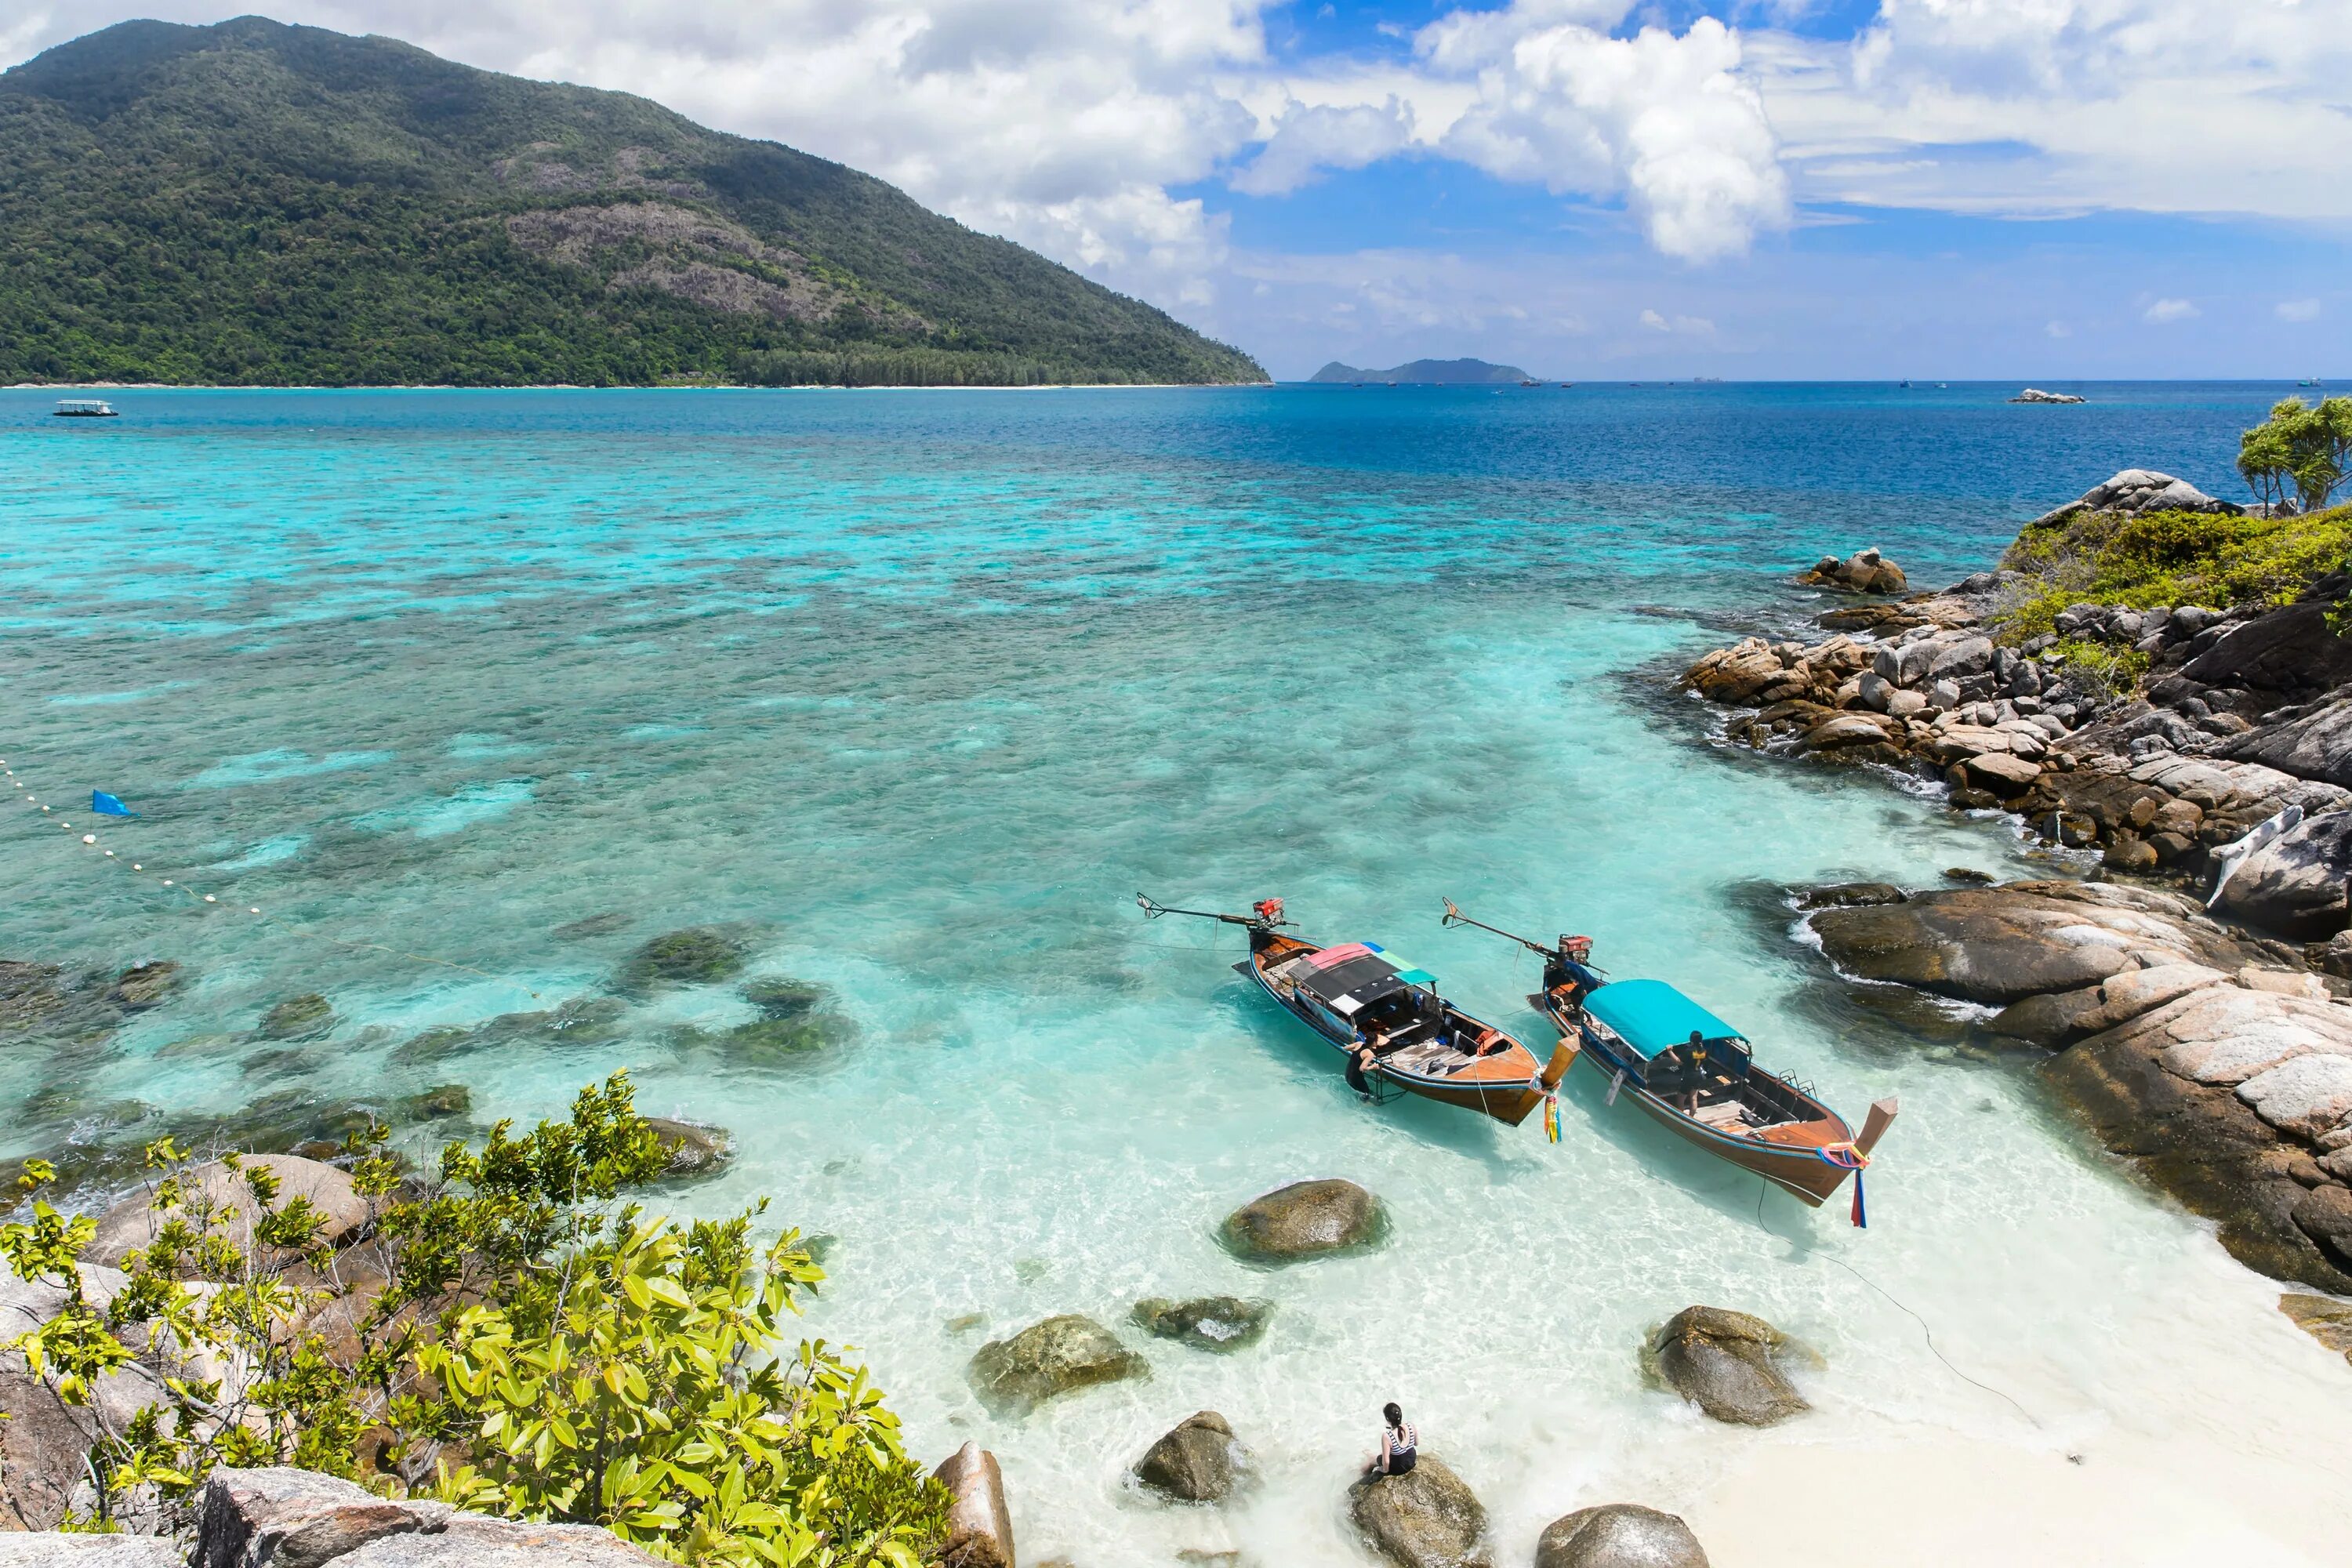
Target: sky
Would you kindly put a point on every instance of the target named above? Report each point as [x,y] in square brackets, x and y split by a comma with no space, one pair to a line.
[2029,190]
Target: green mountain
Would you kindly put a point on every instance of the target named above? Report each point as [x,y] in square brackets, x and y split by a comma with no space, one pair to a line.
[256,204]
[1427,373]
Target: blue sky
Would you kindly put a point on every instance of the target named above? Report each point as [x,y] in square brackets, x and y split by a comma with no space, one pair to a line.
[2010,189]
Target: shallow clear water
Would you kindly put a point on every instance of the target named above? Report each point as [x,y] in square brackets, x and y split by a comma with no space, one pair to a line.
[919,690]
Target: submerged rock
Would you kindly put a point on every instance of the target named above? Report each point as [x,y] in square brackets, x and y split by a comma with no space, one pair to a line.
[1727,1364]
[1426,1518]
[1619,1535]
[606,924]
[979,1525]
[698,955]
[1306,1219]
[780,998]
[146,986]
[581,1021]
[298,1018]
[1059,1355]
[438,1104]
[1205,1322]
[695,1151]
[1197,1461]
[1850,895]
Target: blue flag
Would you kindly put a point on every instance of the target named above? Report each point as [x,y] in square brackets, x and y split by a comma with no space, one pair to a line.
[106,805]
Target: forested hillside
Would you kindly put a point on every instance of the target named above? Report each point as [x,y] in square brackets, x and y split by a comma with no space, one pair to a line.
[255,204]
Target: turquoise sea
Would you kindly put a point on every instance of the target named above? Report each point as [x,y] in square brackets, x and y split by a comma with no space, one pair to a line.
[915,690]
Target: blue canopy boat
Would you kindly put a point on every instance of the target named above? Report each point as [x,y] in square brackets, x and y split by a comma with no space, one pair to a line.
[1696,1075]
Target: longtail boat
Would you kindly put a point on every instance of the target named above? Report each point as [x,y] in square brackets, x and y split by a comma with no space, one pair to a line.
[1696,1077]
[1352,991]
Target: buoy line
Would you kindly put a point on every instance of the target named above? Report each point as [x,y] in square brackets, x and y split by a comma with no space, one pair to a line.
[89,840]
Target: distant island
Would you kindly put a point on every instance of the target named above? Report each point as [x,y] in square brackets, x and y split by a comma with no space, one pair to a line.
[1428,372]
[252,204]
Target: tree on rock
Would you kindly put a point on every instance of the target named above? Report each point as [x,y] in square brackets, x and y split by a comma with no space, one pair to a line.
[2299,447]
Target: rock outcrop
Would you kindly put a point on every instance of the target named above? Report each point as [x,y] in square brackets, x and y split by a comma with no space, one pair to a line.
[1864,572]
[1619,1535]
[2225,1073]
[132,1224]
[2296,884]
[2241,717]
[1206,1322]
[1728,1364]
[1426,1518]
[1059,1355]
[302,1017]
[2035,395]
[2324,1317]
[1305,1220]
[980,1524]
[54,1551]
[1197,1461]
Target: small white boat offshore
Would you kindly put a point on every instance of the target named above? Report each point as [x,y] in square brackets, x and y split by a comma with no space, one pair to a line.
[84,408]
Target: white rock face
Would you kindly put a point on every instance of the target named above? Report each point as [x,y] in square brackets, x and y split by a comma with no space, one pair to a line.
[2305,1096]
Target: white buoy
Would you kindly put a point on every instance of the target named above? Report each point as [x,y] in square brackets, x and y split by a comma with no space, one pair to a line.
[253,912]
[167,882]
[86,838]
[110,854]
[137,866]
[209,899]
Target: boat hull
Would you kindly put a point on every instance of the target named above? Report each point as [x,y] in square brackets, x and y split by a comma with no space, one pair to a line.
[1506,1086]
[1791,1157]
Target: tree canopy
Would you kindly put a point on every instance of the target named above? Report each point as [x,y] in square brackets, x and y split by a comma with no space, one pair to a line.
[2301,447]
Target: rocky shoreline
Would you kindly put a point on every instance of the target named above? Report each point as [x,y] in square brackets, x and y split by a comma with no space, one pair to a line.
[2212,1048]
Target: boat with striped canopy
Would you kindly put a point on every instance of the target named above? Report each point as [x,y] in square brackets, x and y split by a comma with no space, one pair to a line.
[1352,993]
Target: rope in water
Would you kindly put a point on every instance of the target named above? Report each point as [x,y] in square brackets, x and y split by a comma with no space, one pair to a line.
[199,899]
[1762,1187]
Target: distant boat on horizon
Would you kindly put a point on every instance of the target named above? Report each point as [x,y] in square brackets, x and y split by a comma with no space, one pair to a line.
[84,408]
[2313,381]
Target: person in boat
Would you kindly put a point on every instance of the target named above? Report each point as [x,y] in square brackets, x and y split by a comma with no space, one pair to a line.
[1694,1066]
[1398,1444]
[1565,975]
[1370,1046]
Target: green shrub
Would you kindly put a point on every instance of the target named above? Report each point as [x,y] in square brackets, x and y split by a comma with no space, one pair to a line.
[2167,558]
[539,1351]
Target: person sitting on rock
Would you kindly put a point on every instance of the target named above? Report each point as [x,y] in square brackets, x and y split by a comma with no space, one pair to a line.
[1398,1440]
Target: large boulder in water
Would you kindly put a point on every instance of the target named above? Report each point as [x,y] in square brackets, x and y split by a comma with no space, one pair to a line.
[1205,1322]
[1426,1518]
[1305,1220]
[1197,1461]
[695,1151]
[2294,885]
[1727,1363]
[1057,1357]
[1619,1535]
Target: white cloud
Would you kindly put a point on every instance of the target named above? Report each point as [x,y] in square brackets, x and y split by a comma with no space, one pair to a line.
[2057,329]
[2298,310]
[1682,326]
[2164,310]
[2069,106]
[1309,138]
[1665,120]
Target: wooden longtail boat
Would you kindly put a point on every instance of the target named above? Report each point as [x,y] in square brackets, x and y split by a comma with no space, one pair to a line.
[1638,1034]
[1432,1049]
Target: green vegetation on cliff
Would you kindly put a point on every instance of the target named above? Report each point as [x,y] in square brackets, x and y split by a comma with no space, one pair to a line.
[2171,558]
[254,203]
